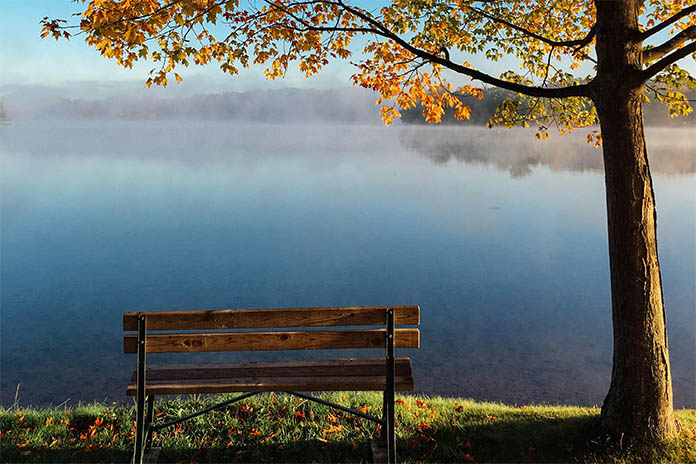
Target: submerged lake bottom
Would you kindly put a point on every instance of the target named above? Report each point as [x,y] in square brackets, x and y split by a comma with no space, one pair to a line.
[499,239]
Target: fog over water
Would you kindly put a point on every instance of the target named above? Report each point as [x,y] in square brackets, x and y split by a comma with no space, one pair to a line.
[500,239]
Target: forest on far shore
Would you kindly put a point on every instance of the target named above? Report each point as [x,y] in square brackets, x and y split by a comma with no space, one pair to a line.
[656,114]
[341,106]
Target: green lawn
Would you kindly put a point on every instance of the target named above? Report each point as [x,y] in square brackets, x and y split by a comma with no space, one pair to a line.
[280,428]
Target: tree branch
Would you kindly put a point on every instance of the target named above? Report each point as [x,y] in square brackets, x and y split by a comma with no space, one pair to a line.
[655,53]
[667,22]
[579,43]
[683,52]
[558,92]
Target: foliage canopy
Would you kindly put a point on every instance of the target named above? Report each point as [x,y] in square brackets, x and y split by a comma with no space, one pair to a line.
[408,46]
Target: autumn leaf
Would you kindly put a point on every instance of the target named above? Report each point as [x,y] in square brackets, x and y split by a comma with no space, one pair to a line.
[468,458]
[332,429]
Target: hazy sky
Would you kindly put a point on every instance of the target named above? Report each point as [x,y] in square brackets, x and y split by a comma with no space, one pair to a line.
[25,59]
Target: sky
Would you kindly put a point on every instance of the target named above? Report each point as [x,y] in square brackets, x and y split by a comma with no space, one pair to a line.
[26,59]
[80,71]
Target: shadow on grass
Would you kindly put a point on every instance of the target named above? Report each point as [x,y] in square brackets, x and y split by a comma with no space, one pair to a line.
[465,438]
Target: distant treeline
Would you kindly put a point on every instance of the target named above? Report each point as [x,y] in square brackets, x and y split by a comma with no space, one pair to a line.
[347,105]
[656,114]
[271,106]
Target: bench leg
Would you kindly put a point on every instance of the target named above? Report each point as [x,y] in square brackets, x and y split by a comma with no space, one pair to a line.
[385,414]
[148,421]
[389,391]
[139,431]
[140,395]
[388,434]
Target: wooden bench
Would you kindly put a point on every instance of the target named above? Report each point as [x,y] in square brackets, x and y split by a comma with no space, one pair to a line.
[387,374]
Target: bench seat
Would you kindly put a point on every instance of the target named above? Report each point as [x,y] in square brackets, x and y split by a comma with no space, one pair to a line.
[318,375]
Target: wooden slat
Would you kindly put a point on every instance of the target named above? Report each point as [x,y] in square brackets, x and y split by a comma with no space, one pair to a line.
[326,368]
[365,383]
[271,341]
[271,318]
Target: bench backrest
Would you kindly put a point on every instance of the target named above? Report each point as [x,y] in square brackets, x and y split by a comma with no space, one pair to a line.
[279,319]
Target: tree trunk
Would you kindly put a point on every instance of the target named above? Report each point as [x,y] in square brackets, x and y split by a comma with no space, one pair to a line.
[639,402]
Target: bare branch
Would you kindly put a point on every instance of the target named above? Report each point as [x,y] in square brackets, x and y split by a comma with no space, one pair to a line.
[655,53]
[668,22]
[675,56]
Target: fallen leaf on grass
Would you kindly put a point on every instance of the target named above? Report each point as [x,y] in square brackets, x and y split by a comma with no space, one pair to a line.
[459,408]
[467,457]
[332,429]
[464,445]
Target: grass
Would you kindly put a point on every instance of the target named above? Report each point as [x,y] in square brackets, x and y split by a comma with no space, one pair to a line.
[280,428]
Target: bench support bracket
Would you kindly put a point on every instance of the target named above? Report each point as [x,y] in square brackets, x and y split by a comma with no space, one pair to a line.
[337,406]
[203,411]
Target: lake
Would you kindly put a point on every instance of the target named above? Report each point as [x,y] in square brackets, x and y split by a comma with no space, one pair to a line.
[500,239]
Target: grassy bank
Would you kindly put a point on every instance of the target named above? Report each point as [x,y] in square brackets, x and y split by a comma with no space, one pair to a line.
[279,428]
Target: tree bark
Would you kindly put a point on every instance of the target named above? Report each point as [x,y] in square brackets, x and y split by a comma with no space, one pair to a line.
[639,402]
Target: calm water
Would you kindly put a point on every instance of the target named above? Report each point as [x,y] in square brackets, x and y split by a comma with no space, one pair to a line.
[499,239]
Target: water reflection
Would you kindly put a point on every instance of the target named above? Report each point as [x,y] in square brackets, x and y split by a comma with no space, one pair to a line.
[671,151]
[511,275]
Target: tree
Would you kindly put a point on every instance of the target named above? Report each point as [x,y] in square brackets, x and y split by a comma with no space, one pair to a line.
[630,48]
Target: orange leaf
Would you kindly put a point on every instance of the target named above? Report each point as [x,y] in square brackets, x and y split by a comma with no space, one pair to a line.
[467,457]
